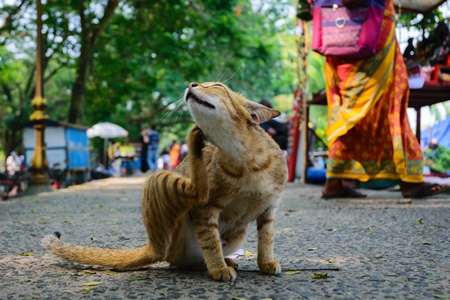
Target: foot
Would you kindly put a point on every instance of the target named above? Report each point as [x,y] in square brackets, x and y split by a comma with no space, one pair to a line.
[422,190]
[334,188]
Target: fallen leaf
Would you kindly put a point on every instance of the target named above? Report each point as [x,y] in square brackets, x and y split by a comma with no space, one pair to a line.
[80,273]
[331,261]
[248,253]
[287,229]
[92,283]
[291,272]
[27,254]
[320,275]
[89,272]
[370,232]
[85,290]
[93,239]
[419,221]
[110,272]
[427,243]
[313,249]
[237,298]
[441,297]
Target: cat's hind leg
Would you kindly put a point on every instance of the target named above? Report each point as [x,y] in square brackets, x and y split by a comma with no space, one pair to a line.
[231,263]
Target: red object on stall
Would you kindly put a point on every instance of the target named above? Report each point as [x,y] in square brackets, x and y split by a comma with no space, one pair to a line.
[293,135]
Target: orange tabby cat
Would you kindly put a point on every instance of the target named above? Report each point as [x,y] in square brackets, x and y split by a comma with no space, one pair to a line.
[199,213]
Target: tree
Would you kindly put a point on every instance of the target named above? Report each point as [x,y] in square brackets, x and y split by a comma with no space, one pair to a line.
[101,53]
[92,26]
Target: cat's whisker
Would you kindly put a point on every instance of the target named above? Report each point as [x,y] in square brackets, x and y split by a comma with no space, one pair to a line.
[172,111]
[223,74]
[234,72]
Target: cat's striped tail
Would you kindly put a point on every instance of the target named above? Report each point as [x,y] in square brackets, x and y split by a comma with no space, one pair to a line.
[106,257]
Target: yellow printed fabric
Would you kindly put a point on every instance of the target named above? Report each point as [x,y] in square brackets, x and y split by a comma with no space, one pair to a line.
[368,131]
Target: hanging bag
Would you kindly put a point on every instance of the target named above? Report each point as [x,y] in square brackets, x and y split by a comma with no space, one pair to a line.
[347,33]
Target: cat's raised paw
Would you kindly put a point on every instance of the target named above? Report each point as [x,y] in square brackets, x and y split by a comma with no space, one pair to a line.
[271,267]
[223,274]
[196,140]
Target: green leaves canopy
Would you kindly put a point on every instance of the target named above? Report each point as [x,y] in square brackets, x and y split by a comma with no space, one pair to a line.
[147,52]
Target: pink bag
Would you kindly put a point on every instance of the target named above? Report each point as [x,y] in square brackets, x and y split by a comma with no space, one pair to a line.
[347,33]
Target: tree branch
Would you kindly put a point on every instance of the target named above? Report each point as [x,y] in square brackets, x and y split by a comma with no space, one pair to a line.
[107,16]
[9,18]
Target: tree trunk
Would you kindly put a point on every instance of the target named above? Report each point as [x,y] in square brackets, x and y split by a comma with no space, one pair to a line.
[89,37]
[79,88]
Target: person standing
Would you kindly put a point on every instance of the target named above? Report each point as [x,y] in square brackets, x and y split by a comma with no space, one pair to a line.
[152,151]
[174,153]
[368,132]
[144,148]
[276,129]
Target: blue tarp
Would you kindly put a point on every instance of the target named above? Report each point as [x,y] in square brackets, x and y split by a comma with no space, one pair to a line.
[440,131]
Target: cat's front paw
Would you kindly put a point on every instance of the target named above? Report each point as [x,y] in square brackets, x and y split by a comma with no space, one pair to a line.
[196,140]
[271,267]
[223,274]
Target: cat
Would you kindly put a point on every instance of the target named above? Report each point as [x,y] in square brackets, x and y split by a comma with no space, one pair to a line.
[199,213]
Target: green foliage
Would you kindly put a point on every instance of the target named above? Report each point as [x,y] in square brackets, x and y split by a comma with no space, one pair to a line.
[148,53]
[443,163]
[438,159]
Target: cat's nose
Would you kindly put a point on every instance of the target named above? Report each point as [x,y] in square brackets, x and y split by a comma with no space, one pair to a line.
[193,84]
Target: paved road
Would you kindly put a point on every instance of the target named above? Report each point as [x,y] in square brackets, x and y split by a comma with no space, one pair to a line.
[377,248]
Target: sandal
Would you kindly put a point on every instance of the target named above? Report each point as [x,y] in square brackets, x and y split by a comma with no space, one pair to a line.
[426,191]
[346,193]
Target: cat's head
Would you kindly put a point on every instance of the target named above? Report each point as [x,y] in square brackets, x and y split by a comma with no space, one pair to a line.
[214,100]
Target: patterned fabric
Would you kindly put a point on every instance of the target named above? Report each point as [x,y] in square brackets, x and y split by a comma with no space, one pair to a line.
[368,131]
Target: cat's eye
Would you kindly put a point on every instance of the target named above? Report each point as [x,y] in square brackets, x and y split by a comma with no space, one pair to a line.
[216,84]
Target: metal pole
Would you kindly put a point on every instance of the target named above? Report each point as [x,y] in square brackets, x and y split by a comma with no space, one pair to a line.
[39,164]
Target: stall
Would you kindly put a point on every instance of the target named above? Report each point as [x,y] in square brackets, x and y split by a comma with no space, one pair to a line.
[67,149]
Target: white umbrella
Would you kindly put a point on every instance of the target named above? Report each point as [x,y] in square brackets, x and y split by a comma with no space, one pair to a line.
[106,130]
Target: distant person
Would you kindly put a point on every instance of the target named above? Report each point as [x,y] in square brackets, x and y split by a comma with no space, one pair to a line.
[183,151]
[174,153]
[13,163]
[144,148]
[165,156]
[277,130]
[153,145]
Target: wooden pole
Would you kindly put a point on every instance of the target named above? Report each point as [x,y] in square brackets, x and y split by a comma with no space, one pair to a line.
[39,164]
[418,116]
[304,112]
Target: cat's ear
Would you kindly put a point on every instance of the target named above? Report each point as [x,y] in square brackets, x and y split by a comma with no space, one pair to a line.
[260,113]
